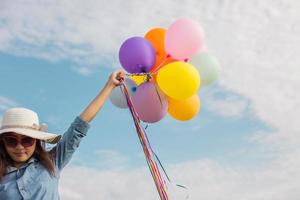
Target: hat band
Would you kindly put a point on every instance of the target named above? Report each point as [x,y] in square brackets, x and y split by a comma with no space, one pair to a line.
[33,127]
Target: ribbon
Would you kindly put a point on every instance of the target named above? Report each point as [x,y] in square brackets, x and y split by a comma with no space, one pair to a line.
[159,181]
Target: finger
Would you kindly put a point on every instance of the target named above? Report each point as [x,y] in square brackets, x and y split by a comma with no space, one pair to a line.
[120,75]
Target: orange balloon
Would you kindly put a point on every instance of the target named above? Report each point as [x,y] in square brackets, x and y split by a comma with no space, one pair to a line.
[184,109]
[164,62]
[156,37]
[154,77]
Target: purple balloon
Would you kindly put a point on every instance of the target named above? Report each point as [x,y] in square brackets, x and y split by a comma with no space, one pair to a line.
[150,103]
[137,55]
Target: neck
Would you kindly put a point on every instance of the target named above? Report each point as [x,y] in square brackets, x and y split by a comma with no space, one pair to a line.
[18,164]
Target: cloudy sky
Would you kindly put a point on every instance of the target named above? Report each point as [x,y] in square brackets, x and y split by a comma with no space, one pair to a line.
[243,145]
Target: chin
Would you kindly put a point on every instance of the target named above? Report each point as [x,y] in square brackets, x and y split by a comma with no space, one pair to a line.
[21,159]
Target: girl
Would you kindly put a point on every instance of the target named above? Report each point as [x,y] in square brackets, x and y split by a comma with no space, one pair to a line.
[27,170]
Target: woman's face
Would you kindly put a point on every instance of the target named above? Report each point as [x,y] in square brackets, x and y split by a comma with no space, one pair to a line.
[20,148]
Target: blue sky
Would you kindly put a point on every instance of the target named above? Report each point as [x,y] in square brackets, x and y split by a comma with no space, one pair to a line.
[55,56]
[58,93]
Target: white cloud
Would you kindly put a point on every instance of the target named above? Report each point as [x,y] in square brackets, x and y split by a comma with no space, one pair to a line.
[4,38]
[84,70]
[205,179]
[83,31]
[105,184]
[6,103]
[262,63]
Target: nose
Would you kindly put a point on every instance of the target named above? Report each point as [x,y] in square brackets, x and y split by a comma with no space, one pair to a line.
[19,146]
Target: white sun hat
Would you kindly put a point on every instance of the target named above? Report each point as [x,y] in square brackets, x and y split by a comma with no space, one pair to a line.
[26,122]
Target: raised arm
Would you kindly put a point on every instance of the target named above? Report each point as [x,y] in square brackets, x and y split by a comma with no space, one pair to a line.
[70,141]
[92,109]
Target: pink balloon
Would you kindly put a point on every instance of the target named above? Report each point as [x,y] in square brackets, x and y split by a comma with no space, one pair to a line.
[183,39]
[150,103]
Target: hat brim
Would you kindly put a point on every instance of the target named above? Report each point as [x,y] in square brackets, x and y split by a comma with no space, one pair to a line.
[40,135]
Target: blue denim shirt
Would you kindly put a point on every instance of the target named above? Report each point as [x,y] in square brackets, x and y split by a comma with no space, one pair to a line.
[32,181]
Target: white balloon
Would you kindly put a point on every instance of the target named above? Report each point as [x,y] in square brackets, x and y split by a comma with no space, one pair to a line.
[117,96]
[208,67]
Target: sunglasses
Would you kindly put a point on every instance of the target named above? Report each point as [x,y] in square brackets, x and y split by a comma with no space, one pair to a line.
[13,142]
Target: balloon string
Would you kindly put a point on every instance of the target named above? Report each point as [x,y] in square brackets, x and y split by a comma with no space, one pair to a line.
[165,172]
[159,97]
[148,151]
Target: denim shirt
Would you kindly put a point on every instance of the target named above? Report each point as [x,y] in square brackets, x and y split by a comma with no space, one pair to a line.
[32,181]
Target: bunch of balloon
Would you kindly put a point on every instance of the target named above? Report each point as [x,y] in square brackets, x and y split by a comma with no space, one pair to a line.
[165,66]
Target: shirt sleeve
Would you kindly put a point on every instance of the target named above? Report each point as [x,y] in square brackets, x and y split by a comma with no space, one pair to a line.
[65,148]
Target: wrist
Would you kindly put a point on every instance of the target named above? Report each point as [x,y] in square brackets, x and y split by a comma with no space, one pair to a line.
[109,85]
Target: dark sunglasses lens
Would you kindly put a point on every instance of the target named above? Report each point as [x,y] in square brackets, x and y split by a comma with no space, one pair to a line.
[13,142]
[27,141]
[10,141]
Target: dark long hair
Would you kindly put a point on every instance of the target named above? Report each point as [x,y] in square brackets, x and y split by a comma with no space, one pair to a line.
[44,157]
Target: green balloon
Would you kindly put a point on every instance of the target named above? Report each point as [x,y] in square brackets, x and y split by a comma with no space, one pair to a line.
[208,67]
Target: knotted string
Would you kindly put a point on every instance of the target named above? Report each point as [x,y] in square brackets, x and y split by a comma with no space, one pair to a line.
[152,71]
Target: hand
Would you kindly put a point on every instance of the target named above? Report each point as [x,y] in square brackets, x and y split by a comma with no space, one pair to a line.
[115,78]
[93,108]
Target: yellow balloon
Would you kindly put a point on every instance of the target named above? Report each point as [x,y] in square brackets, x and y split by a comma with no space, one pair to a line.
[184,109]
[139,79]
[178,80]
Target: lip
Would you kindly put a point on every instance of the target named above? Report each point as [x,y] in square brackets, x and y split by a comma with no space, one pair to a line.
[20,154]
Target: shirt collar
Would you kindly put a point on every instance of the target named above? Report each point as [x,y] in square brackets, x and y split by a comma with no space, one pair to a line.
[12,169]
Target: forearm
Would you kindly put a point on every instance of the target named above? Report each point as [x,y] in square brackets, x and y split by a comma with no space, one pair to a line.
[93,108]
